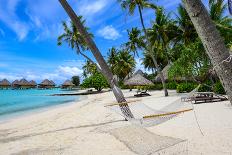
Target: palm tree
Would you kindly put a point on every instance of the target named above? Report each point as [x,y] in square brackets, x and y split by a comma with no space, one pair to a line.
[136,41]
[125,64]
[97,54]
[75,40]
[217,12]
[163,31]
[89,69]
[112,59]
[186,32]
[121,62]
[212,41]
[131,6]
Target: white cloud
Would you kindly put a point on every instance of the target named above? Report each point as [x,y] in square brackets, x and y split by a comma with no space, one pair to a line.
[90,8]
[69,71]
[60,74]
[109,32]
[9,17]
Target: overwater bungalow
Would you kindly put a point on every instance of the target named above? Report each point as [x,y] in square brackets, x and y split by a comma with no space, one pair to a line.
[5,84]
[33,84]
[46,84]
[67,85]
[24,84]
[53,83]
[15,84]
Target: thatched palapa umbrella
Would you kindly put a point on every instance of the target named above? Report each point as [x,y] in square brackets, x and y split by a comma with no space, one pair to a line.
[67,84]
[138,80]
[5,84]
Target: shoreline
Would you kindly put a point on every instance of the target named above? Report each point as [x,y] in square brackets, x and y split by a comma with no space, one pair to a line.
[88,127]
[37,111]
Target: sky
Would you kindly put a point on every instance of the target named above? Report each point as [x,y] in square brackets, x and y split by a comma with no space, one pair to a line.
[29,31]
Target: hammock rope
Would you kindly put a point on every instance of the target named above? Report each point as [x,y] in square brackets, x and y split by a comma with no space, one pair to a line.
[145,115]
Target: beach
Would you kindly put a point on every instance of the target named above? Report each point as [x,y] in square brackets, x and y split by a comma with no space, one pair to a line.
[88,127]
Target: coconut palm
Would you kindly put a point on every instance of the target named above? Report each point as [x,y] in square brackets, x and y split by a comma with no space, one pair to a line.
[135,42]
[186,32]
[213,43]
[125,64]
[121,62]
[89,69]
[97,54]
[217,12]
[131,5]
[163,32]
[112,59]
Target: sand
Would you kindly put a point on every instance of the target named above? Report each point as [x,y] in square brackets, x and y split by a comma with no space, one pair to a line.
[89,128]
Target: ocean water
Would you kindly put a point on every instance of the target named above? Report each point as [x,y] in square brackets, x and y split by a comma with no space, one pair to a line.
[18,102]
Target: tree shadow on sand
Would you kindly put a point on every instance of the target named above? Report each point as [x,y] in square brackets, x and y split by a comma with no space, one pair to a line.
[15,138]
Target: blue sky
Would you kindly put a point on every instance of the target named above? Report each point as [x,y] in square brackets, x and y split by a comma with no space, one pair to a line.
[29,31]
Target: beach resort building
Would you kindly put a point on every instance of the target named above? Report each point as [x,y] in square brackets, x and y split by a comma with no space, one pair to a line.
[15,84]
[24,84]
[33,84]
[5,84]
[67,85]
[46,84]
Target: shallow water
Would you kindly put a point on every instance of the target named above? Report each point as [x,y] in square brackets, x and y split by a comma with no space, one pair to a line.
[14,102]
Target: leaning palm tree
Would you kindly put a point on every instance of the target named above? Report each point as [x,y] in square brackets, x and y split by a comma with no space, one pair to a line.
[75,40]
[131,6]
[212,41]
[97,54]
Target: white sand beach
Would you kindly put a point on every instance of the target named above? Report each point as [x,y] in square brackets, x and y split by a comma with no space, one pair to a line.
[89,128]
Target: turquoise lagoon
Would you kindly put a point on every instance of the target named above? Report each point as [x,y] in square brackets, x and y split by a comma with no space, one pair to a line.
[19,102]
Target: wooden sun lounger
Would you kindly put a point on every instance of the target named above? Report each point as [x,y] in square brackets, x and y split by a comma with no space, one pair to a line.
[206,97]
[142,94]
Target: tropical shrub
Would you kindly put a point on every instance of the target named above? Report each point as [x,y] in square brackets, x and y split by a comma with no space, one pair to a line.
[185,87]
[218,88]
[171,85]
[96,81]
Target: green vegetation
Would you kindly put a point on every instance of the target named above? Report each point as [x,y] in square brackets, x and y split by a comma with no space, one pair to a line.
[97,81]
[218,88]
[76,80]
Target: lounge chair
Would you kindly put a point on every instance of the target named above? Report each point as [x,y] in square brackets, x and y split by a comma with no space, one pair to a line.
[142,94]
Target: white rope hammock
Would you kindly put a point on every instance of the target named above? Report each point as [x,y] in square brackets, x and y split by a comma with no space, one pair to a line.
[147,116]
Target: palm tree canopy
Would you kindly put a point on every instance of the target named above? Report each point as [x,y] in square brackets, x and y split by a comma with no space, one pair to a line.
[73,37]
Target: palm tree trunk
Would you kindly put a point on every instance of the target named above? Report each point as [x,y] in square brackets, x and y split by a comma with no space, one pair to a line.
[160,73]
[212,41]
[97,54]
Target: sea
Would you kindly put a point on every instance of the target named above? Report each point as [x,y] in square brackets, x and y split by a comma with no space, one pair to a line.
[14,103]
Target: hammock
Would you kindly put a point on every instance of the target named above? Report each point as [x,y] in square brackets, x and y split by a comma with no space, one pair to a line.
[144,115]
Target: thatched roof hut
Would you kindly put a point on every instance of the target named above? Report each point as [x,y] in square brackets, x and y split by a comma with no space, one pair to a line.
[67,84]
[24,82]
[53,83]
[33,83]
[5,83]
[138,80]
[135,73]
[15,84]
[47,84]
